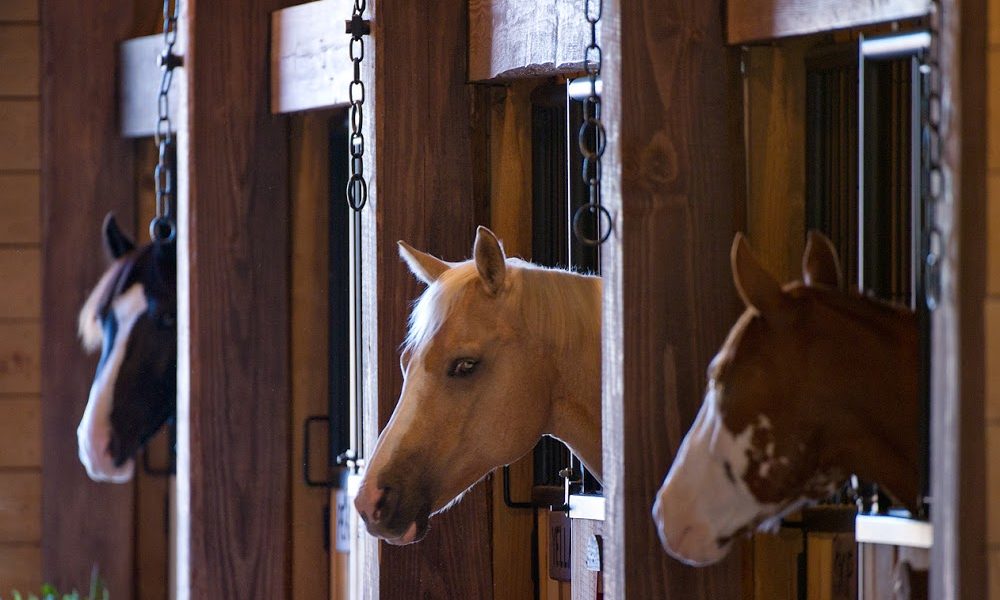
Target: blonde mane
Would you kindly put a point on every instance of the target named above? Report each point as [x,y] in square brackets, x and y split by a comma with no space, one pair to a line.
[89,322]
[562,305]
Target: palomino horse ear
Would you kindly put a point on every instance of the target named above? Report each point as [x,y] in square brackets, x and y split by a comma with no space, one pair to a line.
[755,285]
[425,267]
[116,243]
[490,259]
[819,262]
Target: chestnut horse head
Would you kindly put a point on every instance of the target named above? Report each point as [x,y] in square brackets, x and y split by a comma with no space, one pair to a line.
[813,383]
[499,353]
[130,316]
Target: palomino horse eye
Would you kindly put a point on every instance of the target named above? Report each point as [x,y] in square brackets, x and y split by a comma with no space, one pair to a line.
[462,367]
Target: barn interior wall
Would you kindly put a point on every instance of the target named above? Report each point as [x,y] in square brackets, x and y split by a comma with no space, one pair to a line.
[20,291]
[992,307]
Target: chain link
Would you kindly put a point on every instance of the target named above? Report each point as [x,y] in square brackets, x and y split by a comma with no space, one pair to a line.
[933,175]
[162,227]
[357,187]
[591,138]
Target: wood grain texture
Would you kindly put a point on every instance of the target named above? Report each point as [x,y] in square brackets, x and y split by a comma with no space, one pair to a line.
[991,319]
[20,432]
[758,20]
[233,406]
[993,229]
[84,522]
[19,128]
[993,484]
[20,272]
[673,180]
[511,39]
[776,151]
[18,11]
[310,58]
[20,506]
[19,55]
[775,565]
[20,567]
[586,584]
[958,450]
[421,101]
[310,205]
[993,111]
[20,205]
[153,528]
[20,358]
[139,86]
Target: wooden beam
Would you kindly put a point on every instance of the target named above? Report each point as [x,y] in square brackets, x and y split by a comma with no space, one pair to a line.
[420,101]
[139,86]
[233,312]
[759,20]
[86,171]
[958,448]
[310,57]
[511,39]
[674,181]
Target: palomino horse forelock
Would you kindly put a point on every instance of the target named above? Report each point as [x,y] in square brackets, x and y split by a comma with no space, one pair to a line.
[813,383]
[499,353]
[130,316]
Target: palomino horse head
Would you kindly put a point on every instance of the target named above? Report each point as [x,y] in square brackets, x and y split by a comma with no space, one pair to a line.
[130,315]
[499,353]
[812,384]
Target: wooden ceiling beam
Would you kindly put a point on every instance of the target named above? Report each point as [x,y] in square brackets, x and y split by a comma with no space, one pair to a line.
[761,20]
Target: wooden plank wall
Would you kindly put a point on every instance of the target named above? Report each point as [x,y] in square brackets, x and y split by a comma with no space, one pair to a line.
[757,20]
[84,523]
[234,389]
[423,193]
[674,180]
[20,236]
[958,379]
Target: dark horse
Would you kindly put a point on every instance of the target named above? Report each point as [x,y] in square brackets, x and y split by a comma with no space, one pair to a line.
[131,316]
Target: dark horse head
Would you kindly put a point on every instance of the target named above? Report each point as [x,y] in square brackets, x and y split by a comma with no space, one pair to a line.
[131,317]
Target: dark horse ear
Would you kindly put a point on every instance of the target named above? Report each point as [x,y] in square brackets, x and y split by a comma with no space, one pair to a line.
[820,264]
[756,286]
[116,243]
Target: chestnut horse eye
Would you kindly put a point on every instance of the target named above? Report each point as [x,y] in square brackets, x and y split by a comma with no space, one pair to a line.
[462,367]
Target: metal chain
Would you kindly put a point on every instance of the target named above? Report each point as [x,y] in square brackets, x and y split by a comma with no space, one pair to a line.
[933,173]
[357,187]
[592,138]
[162,227]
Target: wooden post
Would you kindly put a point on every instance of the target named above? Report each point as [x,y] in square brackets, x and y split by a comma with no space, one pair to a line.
[84,523]
[422,193]
[673,179]
[233,359]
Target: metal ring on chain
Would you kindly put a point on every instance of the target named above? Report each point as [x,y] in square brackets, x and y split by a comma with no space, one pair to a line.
[602,216]
[357,192]
[162,229]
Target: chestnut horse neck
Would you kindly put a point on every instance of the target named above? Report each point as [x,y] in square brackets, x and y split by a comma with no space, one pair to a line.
[872,378]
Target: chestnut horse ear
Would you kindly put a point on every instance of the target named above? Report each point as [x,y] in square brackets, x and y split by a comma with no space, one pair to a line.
[424,267]
[116,243]
[490,260]
[755,285]
[819,262]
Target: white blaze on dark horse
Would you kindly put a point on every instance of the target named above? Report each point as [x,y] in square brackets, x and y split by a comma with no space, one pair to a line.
[130,317]
[499,353]
[813,383]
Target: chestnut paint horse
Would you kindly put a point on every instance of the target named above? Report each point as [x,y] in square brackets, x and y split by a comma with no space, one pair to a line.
[130,315]
[499,353]
[812,384]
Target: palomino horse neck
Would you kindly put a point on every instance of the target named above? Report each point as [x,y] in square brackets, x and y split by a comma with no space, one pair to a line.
[499,353]
[811,385]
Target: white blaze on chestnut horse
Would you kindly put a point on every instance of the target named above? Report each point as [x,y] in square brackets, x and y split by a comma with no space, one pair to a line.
[812,384]
[499,353]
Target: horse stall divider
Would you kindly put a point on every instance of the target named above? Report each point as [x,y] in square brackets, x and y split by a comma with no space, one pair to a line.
[674,182]
[80,182]
[233,310]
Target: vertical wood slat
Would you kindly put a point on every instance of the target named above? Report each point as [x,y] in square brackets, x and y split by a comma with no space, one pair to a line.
[423,194]
[19,55]
[20,433]
[84,522]
[673,179]
[233,325]
[958,557]
[20,200]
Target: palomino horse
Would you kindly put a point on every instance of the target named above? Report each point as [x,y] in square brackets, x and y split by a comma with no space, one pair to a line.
[812,384]
[499,353]
[130,315]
